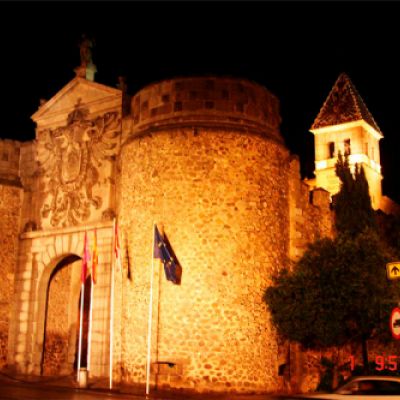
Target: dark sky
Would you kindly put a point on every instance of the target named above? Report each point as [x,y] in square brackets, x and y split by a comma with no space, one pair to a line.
[295,49]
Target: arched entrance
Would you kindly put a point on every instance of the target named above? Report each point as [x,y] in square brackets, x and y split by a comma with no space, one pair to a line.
[46,302]
[61,313]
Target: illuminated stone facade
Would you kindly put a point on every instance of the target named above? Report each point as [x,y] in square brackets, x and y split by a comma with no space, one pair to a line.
[204,159]
[10,212]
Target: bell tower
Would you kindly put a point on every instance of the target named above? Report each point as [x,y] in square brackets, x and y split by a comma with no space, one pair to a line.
[344,124]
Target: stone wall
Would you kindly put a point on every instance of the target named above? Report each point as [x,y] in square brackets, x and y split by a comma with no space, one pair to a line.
[9,160]
[10,203]
[203,158]
[10,209]
[311,216]
[311,371]
[222,199]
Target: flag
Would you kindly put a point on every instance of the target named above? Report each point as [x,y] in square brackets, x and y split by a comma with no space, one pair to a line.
[85,259]
[95,259]
[163,251]
[117,248]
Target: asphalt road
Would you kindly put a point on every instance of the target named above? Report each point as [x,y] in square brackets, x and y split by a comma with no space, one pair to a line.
[30,392]
[23,391]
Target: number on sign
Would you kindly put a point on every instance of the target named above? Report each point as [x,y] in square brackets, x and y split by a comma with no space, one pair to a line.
[380,362]
[392,363]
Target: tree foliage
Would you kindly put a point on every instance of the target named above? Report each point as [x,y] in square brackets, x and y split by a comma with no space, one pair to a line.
[353,208]
[338,291]
[335,294]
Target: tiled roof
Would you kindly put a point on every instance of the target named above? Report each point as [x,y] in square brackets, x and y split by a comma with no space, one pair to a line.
[343,104]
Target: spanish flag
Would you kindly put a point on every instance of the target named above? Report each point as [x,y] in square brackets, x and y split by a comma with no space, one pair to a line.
[85,259]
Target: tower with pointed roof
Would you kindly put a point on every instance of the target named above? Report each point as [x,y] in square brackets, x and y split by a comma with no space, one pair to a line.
[344,124]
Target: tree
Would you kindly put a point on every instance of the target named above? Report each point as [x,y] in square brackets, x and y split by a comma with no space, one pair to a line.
[353,209]
[335,294]
[338,292]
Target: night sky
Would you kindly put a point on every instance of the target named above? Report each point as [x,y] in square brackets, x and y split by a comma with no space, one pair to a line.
[295,49]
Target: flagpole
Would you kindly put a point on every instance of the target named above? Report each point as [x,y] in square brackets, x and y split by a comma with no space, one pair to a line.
[112,306]
[93,276]
[150,318]
[80,328]
[90,324]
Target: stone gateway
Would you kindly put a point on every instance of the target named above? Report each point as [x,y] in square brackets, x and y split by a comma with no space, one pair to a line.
[203,158]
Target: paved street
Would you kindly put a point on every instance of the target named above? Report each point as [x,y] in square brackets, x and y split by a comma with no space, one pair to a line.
[17,389]
[29,391]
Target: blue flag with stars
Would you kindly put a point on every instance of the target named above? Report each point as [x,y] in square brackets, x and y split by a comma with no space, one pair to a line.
[163,251]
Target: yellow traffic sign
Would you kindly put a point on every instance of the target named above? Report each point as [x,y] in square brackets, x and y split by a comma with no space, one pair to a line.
[393,270]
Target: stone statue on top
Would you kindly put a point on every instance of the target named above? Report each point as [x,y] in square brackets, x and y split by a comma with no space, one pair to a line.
[86,69]
[85,47]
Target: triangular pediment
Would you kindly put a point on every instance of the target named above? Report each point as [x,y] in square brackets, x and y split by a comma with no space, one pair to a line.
[78,91]
[343,105]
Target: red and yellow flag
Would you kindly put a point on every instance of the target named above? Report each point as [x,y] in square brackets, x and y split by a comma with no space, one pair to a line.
[117,248]
[95,259]
[85,259]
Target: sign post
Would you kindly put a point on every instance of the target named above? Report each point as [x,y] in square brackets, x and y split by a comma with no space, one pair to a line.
[395,323]
[393,270]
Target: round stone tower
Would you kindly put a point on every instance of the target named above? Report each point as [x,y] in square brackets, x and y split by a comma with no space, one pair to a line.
[203,158]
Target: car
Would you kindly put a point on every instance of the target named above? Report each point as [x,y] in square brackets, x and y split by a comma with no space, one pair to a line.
[361,388]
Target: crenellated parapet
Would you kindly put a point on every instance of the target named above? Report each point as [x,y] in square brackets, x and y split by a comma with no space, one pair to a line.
[205,101]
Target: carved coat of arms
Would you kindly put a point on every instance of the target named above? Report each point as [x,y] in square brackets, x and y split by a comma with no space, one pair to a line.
[69,162]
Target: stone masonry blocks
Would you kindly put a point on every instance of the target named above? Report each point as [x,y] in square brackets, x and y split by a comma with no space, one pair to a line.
[207,191]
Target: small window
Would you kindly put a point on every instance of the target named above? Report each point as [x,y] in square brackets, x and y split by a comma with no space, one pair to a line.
[347,148]
[331,149]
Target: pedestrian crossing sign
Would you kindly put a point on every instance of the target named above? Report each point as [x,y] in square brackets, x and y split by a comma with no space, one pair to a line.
[393,270]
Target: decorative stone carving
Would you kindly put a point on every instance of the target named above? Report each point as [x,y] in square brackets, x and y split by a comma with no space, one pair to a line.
[69,160]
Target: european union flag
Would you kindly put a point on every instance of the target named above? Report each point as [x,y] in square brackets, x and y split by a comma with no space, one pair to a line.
[163,251]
